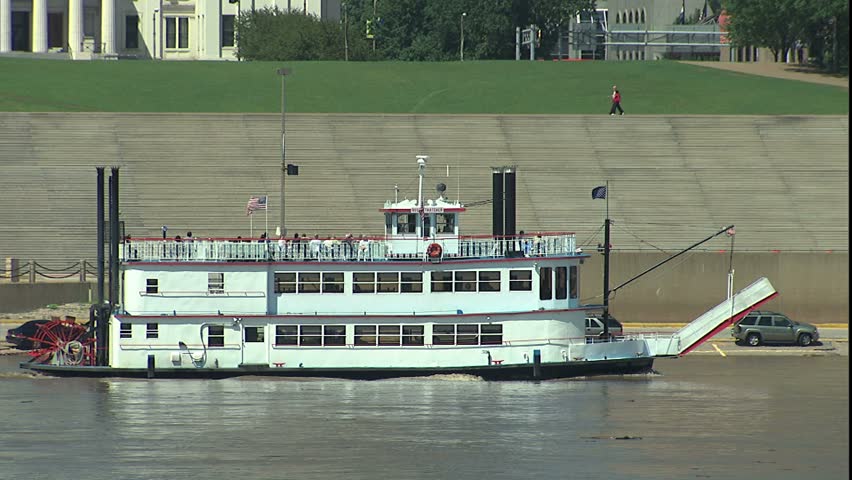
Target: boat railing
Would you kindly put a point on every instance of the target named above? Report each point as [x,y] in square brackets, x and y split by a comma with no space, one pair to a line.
[335,250]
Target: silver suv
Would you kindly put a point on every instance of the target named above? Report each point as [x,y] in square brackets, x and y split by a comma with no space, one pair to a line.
[770,327]
[595,326]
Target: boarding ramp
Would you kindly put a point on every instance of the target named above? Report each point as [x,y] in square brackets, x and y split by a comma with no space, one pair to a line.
[713,321]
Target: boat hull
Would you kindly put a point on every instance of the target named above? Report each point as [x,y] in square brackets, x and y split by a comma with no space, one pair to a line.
[546,371]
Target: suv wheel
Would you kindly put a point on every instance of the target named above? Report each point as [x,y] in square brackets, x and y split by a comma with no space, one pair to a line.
[753,339]
[805,339]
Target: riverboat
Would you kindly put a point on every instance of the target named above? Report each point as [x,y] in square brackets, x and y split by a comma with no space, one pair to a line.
[421,300]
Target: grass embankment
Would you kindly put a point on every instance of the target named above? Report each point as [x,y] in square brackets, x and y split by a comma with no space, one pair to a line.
[495,87]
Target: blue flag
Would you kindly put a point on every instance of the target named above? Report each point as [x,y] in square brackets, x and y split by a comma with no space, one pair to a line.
[599,192]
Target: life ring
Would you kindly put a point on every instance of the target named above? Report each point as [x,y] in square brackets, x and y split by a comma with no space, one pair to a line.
[434,250]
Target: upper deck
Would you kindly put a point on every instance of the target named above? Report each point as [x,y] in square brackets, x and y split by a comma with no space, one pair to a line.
[452,248]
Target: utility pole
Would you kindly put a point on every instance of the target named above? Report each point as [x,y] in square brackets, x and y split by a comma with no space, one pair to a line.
[374,24]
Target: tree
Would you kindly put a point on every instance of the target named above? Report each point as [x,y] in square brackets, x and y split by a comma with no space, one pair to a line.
[821,25]
[552,15]
[273,34]
[769,23]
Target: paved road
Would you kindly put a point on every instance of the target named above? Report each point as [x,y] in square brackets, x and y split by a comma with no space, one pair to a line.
[833,341]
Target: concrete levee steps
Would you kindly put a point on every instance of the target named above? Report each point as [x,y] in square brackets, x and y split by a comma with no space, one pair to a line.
[673,179]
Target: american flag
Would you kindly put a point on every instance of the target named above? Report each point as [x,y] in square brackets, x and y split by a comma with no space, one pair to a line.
[256,203]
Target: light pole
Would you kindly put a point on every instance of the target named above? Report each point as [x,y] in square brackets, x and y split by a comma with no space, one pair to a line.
[461,46]
[283,72]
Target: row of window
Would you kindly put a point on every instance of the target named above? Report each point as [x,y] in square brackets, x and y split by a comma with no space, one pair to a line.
[564,286]
[364,335]
[177,31]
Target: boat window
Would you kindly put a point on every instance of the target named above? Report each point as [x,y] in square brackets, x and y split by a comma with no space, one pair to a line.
[545,283]
[520,280]
[126,330]
[387,282]
[467,334]
[412,334]
[445,223]
[363,283]
[365,335]
[442,281]
[286,335]
[411,282]
[573,284]
[215,283]
[443,334]
[309,282]
[215,336]
[465,281]
[285,283]
[333,335]
[561,283]
[332,282]
[489,281]
[152,285]
[253,334]
[152,330]
[765,321]
[406,223]
[491,334]
[310,335]
[427,226]
[389,335]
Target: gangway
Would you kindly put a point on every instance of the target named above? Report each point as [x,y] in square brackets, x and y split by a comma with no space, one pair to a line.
[713,321]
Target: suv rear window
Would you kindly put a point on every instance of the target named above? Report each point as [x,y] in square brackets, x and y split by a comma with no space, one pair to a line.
[613,322]
[748,321]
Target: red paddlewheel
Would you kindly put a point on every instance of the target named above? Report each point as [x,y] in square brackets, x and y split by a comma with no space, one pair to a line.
[62,342]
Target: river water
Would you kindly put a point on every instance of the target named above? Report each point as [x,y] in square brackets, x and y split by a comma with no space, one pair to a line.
[699,417]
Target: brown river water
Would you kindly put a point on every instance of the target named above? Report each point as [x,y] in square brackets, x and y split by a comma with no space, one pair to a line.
[701,416]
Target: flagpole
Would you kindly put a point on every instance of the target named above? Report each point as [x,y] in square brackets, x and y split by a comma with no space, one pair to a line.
[251,224]
[606,267]
[266,217]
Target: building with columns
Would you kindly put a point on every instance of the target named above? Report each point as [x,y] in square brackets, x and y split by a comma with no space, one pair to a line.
[160,29]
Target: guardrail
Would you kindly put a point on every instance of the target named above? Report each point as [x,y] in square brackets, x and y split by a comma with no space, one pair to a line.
[336,250]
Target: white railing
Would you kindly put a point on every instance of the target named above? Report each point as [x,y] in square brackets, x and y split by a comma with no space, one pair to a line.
[329,250]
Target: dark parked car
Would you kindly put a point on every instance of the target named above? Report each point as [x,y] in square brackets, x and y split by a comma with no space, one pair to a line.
[595,326]
[771,327]
[21,335]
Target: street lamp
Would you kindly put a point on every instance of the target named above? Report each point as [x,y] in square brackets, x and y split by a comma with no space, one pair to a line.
[461,46]
[283,72]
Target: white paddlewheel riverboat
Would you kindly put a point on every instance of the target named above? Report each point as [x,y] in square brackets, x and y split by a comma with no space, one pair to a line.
[421,300]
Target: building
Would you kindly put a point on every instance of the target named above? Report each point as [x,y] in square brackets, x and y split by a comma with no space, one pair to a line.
[160,29]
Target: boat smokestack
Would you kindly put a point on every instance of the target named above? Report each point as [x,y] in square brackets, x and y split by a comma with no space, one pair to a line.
[497,201]
[101,226]
[509,203]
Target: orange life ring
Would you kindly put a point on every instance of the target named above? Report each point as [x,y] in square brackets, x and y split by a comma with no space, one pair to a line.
[434,250]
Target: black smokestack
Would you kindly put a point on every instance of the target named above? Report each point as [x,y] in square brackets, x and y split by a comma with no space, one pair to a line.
[497,202]
[509,204]
[100,265]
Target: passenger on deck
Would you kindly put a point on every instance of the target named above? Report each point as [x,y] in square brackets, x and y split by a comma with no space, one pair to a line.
[315,246]
[363,247]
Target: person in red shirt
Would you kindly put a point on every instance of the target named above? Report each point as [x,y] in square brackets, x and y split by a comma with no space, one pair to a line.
[616,101]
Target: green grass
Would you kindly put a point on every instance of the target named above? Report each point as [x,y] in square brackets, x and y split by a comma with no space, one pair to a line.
[500,87]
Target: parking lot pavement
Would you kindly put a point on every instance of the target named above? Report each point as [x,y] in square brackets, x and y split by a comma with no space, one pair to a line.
[833,342]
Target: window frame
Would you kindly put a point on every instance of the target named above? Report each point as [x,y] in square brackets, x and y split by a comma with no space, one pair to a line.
[229,37]
[520,284]
[215,283]
[125,330]
[152,286]
[152,330]
[217,339]
[131,31]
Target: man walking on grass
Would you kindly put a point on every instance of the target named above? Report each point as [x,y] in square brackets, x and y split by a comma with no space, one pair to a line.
[616,101]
